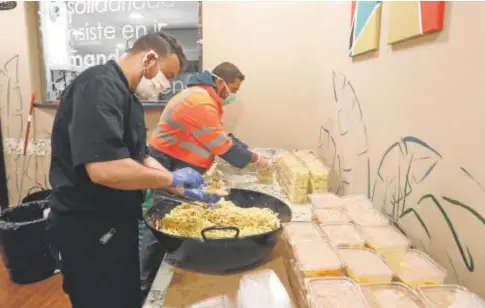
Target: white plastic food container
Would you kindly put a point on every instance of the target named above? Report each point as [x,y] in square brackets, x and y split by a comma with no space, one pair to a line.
[385,239]
[325,200]
[301,230]
[352,201]
[395,295]
[325,216]
[450,296]
[316,258]
[366,217]
[415,268]
[335,293]
[365,266]
[343,235]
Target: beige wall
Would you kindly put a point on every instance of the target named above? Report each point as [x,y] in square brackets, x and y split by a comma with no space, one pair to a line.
[425,97]
[277,103]
[420,102]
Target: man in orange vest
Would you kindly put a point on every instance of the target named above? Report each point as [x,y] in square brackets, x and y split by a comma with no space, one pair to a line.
[190,133]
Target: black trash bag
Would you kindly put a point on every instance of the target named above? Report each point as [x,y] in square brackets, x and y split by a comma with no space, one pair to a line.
[24,244]
[41,194]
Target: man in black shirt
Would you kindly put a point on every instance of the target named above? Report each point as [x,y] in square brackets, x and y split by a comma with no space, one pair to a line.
[99,168]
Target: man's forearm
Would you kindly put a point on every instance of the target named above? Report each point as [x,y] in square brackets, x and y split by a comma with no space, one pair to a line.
[153,163]
[127,174]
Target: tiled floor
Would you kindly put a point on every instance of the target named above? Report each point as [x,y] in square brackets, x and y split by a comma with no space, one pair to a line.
[43,294]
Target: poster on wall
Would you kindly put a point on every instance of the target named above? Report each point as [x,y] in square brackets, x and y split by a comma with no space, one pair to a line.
[365,27]
[410,19]
[80,34]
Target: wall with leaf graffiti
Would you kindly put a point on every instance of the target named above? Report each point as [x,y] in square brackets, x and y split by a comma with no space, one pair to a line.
[404,126]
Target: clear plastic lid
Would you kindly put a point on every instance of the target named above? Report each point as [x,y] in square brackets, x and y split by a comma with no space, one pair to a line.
[367,217]
[365,265]
[396,295]
[415,268]
[300,230]
[220,301]
[361,199]
[330,216]
[263,289]
[335,292]
[316,257]
[343,235]
[385,238]
[450,296]
[325,200]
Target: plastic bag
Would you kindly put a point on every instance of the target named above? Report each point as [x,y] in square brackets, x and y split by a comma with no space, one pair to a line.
[263,289]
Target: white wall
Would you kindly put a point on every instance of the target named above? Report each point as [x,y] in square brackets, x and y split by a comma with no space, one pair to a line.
[271,44]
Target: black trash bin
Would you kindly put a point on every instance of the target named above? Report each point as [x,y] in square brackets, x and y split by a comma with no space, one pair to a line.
[23,243]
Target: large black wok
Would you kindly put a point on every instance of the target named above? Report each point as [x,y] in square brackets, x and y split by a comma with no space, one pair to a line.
[220,255]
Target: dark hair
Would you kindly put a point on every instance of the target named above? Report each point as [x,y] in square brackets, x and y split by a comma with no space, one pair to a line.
[228,72]
[163,44]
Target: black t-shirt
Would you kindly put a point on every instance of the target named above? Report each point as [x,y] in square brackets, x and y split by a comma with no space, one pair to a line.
[99,119]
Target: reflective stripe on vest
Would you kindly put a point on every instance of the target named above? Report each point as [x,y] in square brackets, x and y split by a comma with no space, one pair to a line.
[218,141]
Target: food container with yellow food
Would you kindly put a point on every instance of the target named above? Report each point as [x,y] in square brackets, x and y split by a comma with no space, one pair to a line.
[395,295]
[316,258]
[343,235]
[415,268]
[450,296]
[301,230]
[265,176]
[385,239]
[325,201]
[365,266]
[324,216]
[335,293]
[364,216]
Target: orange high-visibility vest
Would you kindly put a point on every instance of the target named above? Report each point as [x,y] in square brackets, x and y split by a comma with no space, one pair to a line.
[190,128]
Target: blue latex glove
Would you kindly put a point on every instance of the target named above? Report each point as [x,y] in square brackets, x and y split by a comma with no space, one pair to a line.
[199,194]
[238,142]
[187,177]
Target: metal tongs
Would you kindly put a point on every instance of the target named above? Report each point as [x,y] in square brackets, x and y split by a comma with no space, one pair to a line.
[181,199]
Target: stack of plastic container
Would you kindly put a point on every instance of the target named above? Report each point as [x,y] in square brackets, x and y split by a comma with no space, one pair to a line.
[375,256]
[293,177]
[319,172]
[415,268]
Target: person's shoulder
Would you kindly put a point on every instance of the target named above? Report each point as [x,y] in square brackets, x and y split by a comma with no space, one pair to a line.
[101,78]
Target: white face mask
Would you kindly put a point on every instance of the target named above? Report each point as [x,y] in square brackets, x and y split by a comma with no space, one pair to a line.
[151,88]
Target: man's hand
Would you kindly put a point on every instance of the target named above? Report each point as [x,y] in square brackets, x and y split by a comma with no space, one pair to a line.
[263,163]
[186,177]
[199,194]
